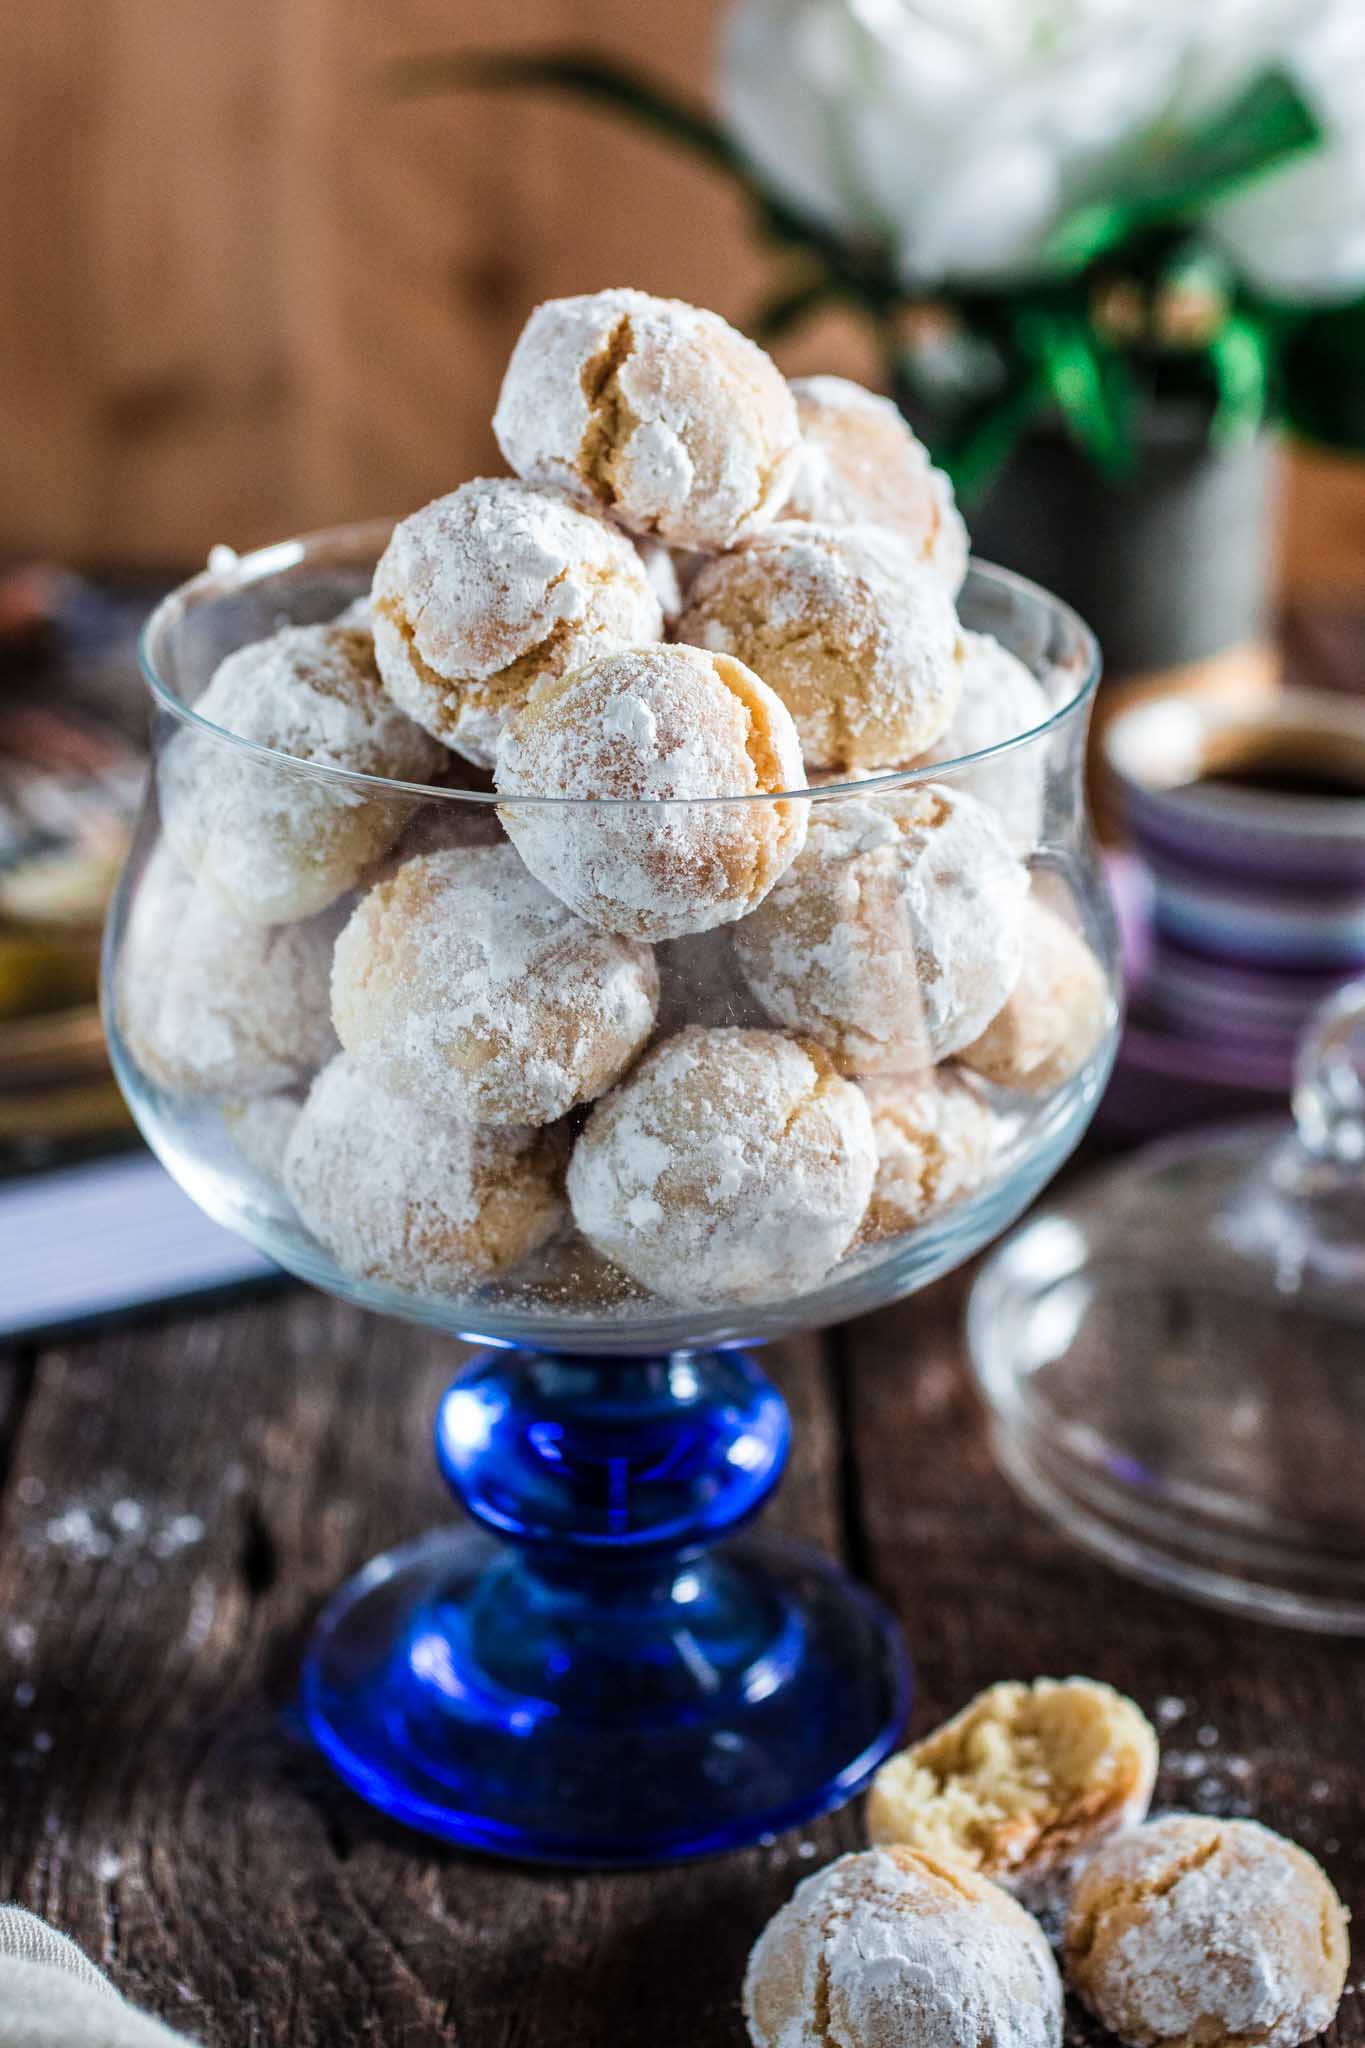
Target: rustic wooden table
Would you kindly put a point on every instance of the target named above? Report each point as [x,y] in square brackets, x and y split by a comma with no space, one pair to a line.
[179,1497]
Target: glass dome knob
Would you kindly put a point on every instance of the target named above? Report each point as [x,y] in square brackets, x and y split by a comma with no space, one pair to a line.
[1329,1080]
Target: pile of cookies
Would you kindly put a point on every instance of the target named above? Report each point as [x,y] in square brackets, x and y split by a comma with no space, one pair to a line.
[793,1021]
[1182,1932]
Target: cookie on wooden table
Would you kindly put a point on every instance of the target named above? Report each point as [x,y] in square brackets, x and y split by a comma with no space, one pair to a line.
[1023,1783]
[894,1949]
[1199,1933]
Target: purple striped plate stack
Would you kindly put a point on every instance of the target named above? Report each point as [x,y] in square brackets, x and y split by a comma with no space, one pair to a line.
[1255,886]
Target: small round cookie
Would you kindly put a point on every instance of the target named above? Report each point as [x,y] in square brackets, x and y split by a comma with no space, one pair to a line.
[260,1132]
[656,726]
[861,465]
[1023,1783]
[273,841]
[896,934]
[1199,1933]
[1000,699]
[935,1139]
[213,1006]
[464,984]
[894,1949]
[484,592]
[1055,1015]
[730,1166]
[656,411]
[411,1199]
[859,640]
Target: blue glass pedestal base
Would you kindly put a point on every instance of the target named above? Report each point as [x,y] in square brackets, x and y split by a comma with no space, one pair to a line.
[787,1687]
[590,1676]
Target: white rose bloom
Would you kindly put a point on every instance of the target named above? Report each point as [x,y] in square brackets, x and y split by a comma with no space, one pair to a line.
[1298,234]
[963,131]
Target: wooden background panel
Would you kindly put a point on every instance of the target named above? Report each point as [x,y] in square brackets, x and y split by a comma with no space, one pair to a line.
[245,291]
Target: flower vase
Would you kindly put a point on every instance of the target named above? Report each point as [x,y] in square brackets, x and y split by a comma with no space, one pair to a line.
[1174,565]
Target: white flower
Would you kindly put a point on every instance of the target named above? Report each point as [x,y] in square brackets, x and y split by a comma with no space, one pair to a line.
[1299,233]
[963,131]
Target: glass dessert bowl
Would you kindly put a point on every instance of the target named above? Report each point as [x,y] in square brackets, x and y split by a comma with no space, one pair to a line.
[361,1032]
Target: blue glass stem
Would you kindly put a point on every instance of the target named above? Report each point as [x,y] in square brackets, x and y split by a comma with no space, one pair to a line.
[577,1674]
[609,1480]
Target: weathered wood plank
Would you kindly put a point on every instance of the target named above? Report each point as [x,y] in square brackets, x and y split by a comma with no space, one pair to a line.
[181,1500]
[245,293]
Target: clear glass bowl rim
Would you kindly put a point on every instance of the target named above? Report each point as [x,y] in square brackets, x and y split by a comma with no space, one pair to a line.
[279,556]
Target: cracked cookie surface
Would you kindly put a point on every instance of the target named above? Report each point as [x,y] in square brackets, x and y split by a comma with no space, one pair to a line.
[858,639]
[490,590]
[646,738]
[1199,1933]
[896,1949]
[657,412]
[731,1165]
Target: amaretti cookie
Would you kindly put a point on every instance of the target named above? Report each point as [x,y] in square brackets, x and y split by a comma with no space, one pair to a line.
[277,843]
[857,637]
[1000,699]
[401,1195]
[657,412]
[896,934]
[1055,1015]
[260,1131]
[651,729]
[731,1165]
[1021,1784]
[1199,1933]
[860,464]
[484,592]
[210,1004]
[464,984]
[936,1136]
[895,1949]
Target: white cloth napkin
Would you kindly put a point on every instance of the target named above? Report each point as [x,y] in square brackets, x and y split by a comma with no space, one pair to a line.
[52,1996]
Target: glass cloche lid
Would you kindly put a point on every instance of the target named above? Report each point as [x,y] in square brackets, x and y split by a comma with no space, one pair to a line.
[1173,1352]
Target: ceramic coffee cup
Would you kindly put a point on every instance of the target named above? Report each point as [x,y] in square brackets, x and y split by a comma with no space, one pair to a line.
[1250,827]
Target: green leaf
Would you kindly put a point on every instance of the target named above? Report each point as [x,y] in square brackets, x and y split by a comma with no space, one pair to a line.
[1091,387]
[584,75]
[1323,377]
[1172,181]
[1239,356]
